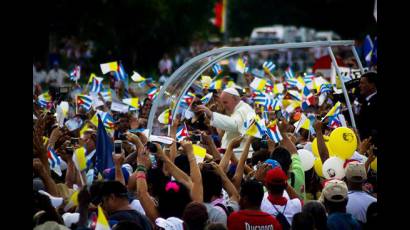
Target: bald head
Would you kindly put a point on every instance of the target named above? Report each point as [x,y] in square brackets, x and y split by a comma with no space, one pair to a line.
[229,102]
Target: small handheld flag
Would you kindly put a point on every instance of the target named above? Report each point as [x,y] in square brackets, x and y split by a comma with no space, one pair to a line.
[131,102]
[217,69]
[205,99]
[75,73]
[84,101]
[109,67]
[54,161]
[268,66]
[258,84]
[102,223]
[137,77]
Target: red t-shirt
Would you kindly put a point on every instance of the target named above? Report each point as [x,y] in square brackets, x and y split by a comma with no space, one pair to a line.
[251,219]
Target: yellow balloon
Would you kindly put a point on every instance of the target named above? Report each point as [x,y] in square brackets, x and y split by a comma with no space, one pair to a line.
[318,167]
[373,165]
[343,142]
[315,150]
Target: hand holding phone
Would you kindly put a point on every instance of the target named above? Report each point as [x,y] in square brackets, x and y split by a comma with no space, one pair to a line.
[118,146]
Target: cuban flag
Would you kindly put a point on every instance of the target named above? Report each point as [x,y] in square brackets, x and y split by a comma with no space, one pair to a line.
[334,122]
[289,73]
[187,99]
[295,95]
[152,93]
[308,78]
[268,86]
[75,74]
[308,98]
[120,74]
[274,133]
[54,161]
[217,69]
[268,66]
[96,85]
[326,88]
[84,101]
[182,132]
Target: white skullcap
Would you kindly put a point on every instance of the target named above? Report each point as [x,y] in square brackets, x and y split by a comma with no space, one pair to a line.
[232,91]
[172,223]
[70,218]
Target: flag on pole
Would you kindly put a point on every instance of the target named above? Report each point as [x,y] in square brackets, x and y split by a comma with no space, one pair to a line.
[334,111]
[102,223]
[182,132]
[164,117]
[326,88]
[308,98]
[79,159]
[72,201]
[253,127]
[289,73]
[152,93]
[205,99]
[109,67]
[217,69]
[217,84]
[131,102]
[258,84]
[278,88]
[104,148]
[44,99]
[54,161]
[75,73]
[137,77]
[268,66]
[120,74]
[295,95]
[273,132]
[96,85]
[199,153]
[240,66]
[84,101]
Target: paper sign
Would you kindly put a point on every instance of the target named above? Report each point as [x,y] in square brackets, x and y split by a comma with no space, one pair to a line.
[118,107]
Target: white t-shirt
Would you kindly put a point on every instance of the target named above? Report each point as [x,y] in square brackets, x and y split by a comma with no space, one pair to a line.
[358,203]
[293,206]
[136,205]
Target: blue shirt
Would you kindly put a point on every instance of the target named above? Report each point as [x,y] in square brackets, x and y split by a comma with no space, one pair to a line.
[342,221]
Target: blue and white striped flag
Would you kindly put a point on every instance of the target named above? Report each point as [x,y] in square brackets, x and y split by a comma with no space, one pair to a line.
[274,133]
[217,69]
[96,85]
[289,73]
[268,66]
[120,74]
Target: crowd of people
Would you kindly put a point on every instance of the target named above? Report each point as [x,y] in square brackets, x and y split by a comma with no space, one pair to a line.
[96,166]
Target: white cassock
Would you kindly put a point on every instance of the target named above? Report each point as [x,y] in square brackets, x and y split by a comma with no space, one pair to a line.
[233,125]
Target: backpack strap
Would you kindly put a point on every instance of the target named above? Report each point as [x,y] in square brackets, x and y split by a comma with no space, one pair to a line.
[283,208]
[223,207]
